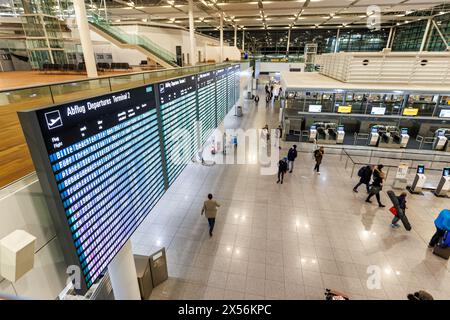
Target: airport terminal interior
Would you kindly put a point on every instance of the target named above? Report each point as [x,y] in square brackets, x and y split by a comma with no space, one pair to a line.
[224,150]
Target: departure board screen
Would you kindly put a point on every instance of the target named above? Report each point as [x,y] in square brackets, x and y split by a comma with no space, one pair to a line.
[179,115]
[221,94]
[206,104]
[100,159]
[237,82]
[230,87]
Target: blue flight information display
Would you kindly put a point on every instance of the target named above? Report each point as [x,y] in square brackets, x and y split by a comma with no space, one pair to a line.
[230,87]
[206,104]
[103,166]
[221,94]
[178,105]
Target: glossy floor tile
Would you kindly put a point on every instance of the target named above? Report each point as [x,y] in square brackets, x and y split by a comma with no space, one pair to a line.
[289,241]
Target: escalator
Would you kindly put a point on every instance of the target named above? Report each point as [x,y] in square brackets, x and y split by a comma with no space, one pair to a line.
[124,40]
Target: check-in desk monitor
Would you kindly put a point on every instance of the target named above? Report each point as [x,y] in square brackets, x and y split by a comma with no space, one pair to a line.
[340,134]
[404,137]
[419,180]
[312,133]
[444,183]
[440,140]
[374,137]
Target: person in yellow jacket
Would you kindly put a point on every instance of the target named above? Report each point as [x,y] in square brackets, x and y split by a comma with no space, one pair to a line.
[210,210]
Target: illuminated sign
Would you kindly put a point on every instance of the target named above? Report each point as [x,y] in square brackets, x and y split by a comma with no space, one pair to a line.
[344,109]
[379,111]
[445,113]
[99,162]
[410,111]
[315,108]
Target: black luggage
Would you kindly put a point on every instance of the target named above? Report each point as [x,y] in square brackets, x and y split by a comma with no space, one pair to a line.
[443,252]
[400,213]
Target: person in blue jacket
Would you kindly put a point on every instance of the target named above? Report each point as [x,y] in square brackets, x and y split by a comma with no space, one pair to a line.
[442,224]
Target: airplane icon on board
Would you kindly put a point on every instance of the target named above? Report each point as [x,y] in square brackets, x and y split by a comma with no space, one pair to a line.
[53,119]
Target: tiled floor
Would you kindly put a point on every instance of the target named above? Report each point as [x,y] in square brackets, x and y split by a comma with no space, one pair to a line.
[288,241]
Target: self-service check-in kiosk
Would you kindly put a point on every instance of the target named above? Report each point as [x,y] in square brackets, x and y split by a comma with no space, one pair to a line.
[404,137]
[419,180]
[444,184]
[312,133]
[340,134]
[439,140]
[374,137]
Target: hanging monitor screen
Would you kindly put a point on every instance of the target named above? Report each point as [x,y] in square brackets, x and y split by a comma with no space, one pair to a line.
[379,111]
[445,113]
[99,163]
[315,108]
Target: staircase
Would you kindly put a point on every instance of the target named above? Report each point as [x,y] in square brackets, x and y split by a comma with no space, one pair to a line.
[124,40]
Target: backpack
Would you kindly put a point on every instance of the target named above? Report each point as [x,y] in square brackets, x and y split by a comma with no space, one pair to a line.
[361,172]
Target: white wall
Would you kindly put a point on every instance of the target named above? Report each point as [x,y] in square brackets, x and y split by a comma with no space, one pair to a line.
[22,206]
[169,38]
[280,66]
[131,56]
[213,53]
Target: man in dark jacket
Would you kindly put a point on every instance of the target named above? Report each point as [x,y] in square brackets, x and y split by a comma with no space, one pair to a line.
[377,185]
[292,154]
[365,177]
[282,168]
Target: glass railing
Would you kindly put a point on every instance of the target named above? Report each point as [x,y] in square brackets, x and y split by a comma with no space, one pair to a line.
[134,39]
[15,161]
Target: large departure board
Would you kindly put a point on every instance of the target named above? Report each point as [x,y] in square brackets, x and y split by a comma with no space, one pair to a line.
[206,104]
[179,117]
[221,94]
[100,166]
[237,82]
[230,87]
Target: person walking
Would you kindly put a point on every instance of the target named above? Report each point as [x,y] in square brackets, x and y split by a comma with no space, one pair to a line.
[402,204]
[282,169]
[318,156]
[256,100]
[377,185]
[292,154]
[365,174]
[210,210]
[442,224]
[266,88]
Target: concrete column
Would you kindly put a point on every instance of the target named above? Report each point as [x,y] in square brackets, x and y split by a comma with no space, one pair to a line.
[221,37]
[191,33]
[243,40]
[85,37]
[337,40]
[425,35]
[122,272]
[288,42]
[235,36]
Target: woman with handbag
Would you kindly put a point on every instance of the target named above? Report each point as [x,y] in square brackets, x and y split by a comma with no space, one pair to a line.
[377,185]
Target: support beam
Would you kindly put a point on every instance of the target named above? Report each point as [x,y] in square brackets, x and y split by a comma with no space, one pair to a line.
[440,33]
[337,40]
[391,31]
[288,42]
[243,40]
[235,35]
[425,35]
[85,38]
[191,33]
[221,37]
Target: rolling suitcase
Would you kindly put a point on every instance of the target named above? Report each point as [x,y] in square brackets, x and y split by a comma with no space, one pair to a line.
[400,213]
[443,252]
